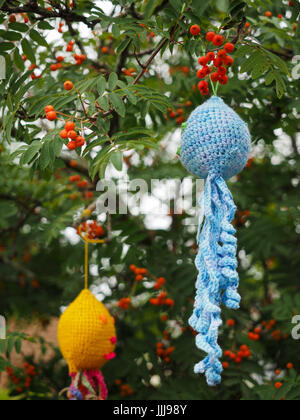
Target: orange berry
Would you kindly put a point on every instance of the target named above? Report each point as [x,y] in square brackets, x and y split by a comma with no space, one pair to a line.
[195,30]
[229,47]
[268,14]
[154,301]
[71,145]
[105,50]
[225,365]
[277,372]
[69,126]
[278,385]
[164,318]
[139,277]
[68,85]
[290,366]
[247,25]
[170,302]
[51,116]
[49,108]
[72,134]
[53,67]
[63,134]
[132,267]
[231,322]
[210,36]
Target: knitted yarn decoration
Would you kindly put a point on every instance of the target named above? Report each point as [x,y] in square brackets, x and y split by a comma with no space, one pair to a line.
[87,339]
[215,146]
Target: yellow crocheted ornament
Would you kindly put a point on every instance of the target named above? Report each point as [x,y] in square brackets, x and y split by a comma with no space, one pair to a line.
[86,334]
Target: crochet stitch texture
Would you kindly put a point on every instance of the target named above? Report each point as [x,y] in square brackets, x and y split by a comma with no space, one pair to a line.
[215,146]
[86,334]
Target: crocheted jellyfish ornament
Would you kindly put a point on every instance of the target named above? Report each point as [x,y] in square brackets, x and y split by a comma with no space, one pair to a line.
[215,146]
[87,339]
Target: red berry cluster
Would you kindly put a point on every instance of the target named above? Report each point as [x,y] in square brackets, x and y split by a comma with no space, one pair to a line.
[25,381]
[164,352]
[124,303]
[255,335]
[69,133]
[162,299]
[93,229]
[215,65]
[161,281]
[244,353]
[140,273]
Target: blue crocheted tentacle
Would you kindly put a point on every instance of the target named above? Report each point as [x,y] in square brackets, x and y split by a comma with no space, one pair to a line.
[216,263]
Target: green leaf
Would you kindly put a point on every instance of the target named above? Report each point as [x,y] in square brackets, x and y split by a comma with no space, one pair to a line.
[118,104]
[18,60]
[103,102]
[112,81]
[27,49]
[122,47]
[10,35]
[31,152]
[101,85]
[6,46]
[45,25]
[17,26]
[117,160]
[35,36]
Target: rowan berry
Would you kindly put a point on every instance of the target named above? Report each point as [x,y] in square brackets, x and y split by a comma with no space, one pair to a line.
[278,385]
[60,58]
[164,318]
[154,301]
[222,54]
[268,14]
[12,18]
[53,67]
[139,277]
[280,16]
[201,73]
[63,134]
[161,281]
[238,360]
[72,134]
[49,108]
[68,85]
[170,302]
[228,61]
[247,25]
[218,40]
[105,50]
[231,322]
[195,30]
[222,71]
[229,47]
[214,77]
[223,79]
[79,141]
[227,353]
[71,145]
[51,116]
[84,183]
[218,62]
[290,366]
[225,365]
[74,178]
[210,36]
[132,267]
[69,126]
[277,372]
[210,56]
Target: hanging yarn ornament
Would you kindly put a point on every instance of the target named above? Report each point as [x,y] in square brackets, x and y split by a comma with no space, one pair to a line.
[87,339]
[215,146]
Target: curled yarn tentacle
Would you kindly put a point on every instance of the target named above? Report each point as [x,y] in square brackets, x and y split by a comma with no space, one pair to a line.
[218,280]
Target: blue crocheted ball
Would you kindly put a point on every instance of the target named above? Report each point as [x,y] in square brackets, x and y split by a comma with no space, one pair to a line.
[216,140]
